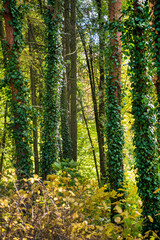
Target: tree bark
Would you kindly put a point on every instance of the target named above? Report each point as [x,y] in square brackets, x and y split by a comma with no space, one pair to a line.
[2,38]
[144,138]
[156,51]
[66,141]
[15,80]
[101,90]
[98,120]
[3,144]
[51,96]
[114,127]
[73,79]
[34,103]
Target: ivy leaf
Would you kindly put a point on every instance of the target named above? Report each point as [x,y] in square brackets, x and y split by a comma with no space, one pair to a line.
[150,218]
[57,166]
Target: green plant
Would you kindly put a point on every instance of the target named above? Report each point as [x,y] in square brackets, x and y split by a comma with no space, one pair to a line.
[51,94]
[67,168]
[17,89]
[49,210]
[136,30]
[114,129]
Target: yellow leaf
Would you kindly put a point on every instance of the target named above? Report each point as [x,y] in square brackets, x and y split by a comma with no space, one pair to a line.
[76,204]
[72,200]
[4,202]
[119,209]
[109,230]
[100,228]
[155,235]
[139,203]
[51,177]
[81,204]
[117,220]
[72,193]
[150,218]
[152,238]
[113,194]
[137,214]
[157,190]
[75,215]
[121,189]
[59,223]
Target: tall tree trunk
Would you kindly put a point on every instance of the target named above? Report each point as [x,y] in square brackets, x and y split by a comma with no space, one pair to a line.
[144,139]
[40,90]
[114,127]
[3,143]
[73,78]
[34,102]
[101,91]
[98,120]
[40,6]
[156,53]
[66,141]
[18,90]
[67,36]
[51,95]
[2,39]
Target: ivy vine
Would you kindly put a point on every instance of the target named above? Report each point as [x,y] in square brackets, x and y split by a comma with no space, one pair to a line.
[114,129]
[17,90]
[155,27]
[51,111]
[137,48]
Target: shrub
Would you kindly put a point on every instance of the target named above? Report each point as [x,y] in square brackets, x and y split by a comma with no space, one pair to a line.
[56,209]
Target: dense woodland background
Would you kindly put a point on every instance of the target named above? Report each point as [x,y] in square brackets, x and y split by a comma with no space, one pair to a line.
[79,119]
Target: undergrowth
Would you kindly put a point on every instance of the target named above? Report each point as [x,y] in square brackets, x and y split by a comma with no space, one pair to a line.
[65,209]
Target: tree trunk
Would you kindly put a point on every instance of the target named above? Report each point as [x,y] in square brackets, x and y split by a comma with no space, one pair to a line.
[2,147]
[66,141]
[67,56]
[73,79]
[2,38]
[114,127]
[34,103]
[19,121]
[40,90]
[156,52]
[101,91]
[99,125]
[51,95]
[144,138]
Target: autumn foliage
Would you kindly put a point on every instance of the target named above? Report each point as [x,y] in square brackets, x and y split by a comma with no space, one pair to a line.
[66,208]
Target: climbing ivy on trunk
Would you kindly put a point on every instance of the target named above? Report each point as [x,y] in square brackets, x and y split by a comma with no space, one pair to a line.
[114,130]
[52,89]
[136,41]
[155,27]
[17,94]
